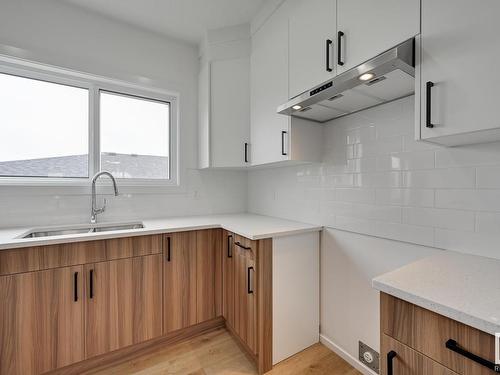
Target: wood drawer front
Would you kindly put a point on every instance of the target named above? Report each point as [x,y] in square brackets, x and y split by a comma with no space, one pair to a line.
[127,247]
[39,258]
[52,256]
[408,361]
[428,332]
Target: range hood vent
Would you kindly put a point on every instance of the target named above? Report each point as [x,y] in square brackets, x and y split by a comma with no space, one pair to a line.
[388,76]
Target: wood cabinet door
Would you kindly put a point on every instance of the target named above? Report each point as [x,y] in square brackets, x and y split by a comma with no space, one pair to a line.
[123,303]
[406,361]
[312,28]
[41,320]
[208,274]
[229,277]
[179,281]
[245,293]
[372,27]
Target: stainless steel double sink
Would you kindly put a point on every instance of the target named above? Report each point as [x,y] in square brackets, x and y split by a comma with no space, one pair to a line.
[82,230]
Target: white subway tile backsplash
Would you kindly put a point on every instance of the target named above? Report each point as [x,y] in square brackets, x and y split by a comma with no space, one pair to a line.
[405,197]
[379,147]
[488,222]
[488,178]
[467,199]
[355,195]
[440,178]
[479,154]
[377,180]
[439,218]
[405,161]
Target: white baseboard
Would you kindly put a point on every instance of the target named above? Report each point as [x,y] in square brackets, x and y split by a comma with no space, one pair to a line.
[354,362]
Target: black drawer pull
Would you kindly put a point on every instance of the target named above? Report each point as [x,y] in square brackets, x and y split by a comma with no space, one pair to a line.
[340,35]
[246,152]
[242,246]
[328,48]
[428,91]
[91,281]
[249,282]
[390,356]
[229,246]
[75,284]
[454,347]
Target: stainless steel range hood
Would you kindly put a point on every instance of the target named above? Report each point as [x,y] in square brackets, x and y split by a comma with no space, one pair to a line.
[388,76]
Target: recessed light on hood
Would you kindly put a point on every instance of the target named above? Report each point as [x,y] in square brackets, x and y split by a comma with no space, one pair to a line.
[366,76]
[297,107]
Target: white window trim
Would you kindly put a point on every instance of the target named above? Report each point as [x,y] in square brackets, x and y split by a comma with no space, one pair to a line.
[94,84]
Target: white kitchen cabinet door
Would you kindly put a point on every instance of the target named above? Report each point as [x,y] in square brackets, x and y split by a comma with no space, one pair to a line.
[230,112]
[460,56]
[371,27]
[224,114]
[312,27]
[269,89]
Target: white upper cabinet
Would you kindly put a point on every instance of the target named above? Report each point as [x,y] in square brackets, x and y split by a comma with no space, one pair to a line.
[224,99]
[366,28]
[230,112]
[312,26]
[269,89]
[459,96]
[276,138]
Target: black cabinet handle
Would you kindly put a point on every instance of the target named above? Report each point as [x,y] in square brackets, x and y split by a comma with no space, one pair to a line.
[242,246]
[75,284]
[91,282]
[453,346]
[390,356]
[168,249]
[229,247]
[428,90]
[340,35]
[246,152]
[328,52]
[283,133]
[249,283]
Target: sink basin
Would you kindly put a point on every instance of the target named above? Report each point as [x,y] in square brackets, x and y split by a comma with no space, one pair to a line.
[81,230]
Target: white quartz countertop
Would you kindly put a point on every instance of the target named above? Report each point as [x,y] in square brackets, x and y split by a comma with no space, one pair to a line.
[462,287]
[251,226]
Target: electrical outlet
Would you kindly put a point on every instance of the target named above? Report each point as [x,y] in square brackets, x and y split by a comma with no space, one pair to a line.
[369,357]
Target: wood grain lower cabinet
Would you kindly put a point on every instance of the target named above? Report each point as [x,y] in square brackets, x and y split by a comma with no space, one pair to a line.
[41,320]
[406,361]
[123,305]
[245,291]
[179,281]
[228,277]
[192,281]
[428,333]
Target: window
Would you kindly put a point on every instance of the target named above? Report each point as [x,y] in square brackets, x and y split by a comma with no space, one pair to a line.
[135,137]
[44,128]
[57,125]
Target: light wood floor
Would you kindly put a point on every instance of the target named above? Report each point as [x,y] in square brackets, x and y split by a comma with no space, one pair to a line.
[217,353]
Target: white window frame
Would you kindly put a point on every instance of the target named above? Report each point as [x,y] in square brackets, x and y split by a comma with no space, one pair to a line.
[94,84]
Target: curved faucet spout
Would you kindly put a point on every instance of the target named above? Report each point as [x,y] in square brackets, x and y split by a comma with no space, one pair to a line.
[95,210]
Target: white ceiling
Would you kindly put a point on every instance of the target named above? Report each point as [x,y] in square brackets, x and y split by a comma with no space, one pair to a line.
[182,19]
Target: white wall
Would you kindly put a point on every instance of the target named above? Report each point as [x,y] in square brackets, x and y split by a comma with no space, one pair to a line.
[56,33]
[377,181]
